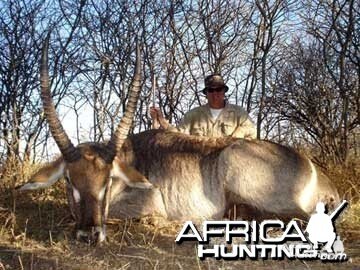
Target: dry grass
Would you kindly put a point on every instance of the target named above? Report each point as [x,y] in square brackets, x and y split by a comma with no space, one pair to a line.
[36,232]
[346,178]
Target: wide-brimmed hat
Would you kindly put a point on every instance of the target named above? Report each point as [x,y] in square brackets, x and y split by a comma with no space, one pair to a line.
[214,81]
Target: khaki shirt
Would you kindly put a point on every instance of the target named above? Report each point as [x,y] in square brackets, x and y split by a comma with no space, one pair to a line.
[233,121]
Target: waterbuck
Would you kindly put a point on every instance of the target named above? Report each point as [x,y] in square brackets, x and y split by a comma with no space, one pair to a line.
[178,176]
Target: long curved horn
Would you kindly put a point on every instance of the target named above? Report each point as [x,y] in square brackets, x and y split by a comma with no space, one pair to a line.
[122,130]
[69,152]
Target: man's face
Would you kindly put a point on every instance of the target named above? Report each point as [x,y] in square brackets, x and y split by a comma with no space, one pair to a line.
[216,98]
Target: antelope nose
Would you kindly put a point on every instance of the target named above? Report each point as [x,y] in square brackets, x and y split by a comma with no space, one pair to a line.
[94,236]
[82,236]
[98,234]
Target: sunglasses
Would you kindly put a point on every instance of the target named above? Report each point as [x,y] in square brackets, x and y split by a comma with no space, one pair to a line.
[212,90]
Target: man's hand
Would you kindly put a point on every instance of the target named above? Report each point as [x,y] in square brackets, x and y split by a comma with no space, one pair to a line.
[155,113]
[158,117]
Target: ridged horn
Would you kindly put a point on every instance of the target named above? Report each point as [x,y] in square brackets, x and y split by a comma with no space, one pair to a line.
[122,130]
[69,152]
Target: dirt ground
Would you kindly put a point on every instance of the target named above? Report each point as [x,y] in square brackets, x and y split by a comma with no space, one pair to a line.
[36,232]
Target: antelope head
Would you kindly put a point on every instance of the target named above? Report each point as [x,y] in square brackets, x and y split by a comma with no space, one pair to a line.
[89,168]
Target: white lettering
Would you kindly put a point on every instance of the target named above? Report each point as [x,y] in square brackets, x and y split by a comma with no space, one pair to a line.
[208,224]
[212,252]
[263,230]
[299,235]
[270,248]
[195,234]
[229,233]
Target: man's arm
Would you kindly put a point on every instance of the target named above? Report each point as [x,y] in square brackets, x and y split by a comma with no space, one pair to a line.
[245,126]
[183,127]
[158,118]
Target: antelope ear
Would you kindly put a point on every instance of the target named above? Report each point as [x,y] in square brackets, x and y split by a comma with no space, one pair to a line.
[129,175]
[46,176]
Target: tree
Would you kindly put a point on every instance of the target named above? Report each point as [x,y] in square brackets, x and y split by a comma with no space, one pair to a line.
[334,25]
[306,95]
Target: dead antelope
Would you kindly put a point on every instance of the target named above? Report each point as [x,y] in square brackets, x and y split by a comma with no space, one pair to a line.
[178,176]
